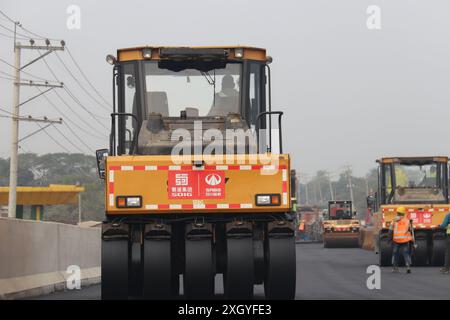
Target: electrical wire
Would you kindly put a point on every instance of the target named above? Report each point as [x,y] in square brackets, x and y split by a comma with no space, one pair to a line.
[85,77]
[51,137]
[68,119]
[25,72]
[38,36]
[73,97]
[84,108]
[108,108]
[24,36]
[67,139]
[64,102]
[12,37]
[2,77]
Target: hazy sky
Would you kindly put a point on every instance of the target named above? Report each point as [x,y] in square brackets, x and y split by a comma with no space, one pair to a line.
[350,94]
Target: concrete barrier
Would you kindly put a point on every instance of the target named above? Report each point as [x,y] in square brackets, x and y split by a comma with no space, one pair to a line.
[35,255]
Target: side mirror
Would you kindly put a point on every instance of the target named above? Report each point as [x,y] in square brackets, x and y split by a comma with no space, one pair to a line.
[101,156]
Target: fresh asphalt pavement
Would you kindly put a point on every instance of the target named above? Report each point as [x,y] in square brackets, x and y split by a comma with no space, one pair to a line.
[334,274]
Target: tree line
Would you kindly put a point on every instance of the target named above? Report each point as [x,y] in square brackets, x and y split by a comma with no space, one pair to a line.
[320,189]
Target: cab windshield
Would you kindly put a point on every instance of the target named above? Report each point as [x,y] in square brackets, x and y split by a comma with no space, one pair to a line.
[215,92]
[340,211]
[416,183]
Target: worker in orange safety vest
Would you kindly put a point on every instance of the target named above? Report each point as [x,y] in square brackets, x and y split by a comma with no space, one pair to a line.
[402,238]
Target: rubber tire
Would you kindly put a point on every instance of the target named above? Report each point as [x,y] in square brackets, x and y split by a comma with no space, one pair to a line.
[199,270]
[239,275]
[158,276]
[114,285]
[438,252]
[281,266]
[326,243]
[385,252]
[420,256]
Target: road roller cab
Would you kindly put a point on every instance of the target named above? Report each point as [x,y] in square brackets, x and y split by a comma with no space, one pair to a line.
[195,184]
[420,184]
[340,229]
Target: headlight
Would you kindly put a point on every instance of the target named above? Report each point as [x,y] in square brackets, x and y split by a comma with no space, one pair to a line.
[239,53]
[267,200]
[147,53]
[129,202]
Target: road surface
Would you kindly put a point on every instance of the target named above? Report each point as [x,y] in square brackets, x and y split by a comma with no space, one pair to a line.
[334,274]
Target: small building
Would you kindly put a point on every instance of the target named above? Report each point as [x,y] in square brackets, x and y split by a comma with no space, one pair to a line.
[32,200]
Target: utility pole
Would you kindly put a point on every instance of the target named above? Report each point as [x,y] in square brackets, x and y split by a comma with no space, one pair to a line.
[79,208]
[349,176]
[331,187]
[306,188]
[12,197]
[307,193]
[320,190]
[367,186]
[13,165]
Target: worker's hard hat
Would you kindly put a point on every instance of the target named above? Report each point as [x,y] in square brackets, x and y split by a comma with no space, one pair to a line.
[401,211]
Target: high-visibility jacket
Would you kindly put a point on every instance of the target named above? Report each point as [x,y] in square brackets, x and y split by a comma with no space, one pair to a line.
[301,227]
[446,223]
[401,231]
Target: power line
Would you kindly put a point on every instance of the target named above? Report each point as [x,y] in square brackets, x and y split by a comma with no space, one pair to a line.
[84,108]
[72,96]
[69,120]
[102,135]
[2,77]
[25,72]
[54,140]
[85,77]
[12,37]
[76,101]
[68,140]
[24,36]
[79,139]
[38,36]
[7,74]
[7,17]
[6,111]
[79,83]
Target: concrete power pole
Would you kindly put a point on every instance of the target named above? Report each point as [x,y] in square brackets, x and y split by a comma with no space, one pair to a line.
[331,189]
[330,184]
[320,191]
[306,190]
[349,176]
[12,197]
[13,168]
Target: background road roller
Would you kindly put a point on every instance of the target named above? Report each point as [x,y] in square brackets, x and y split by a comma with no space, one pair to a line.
[186,198]
[340,229]
[421,185]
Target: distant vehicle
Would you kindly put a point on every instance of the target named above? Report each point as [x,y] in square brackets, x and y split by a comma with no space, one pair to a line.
[340,229]
[421,185]
[309,223]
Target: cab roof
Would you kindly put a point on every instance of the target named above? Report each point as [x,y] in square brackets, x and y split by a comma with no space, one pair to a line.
[413,160]
[180,52]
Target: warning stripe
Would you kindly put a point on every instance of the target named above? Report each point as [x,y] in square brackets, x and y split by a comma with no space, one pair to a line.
[112,169]
[199,206]
[419,211]
[206,168]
